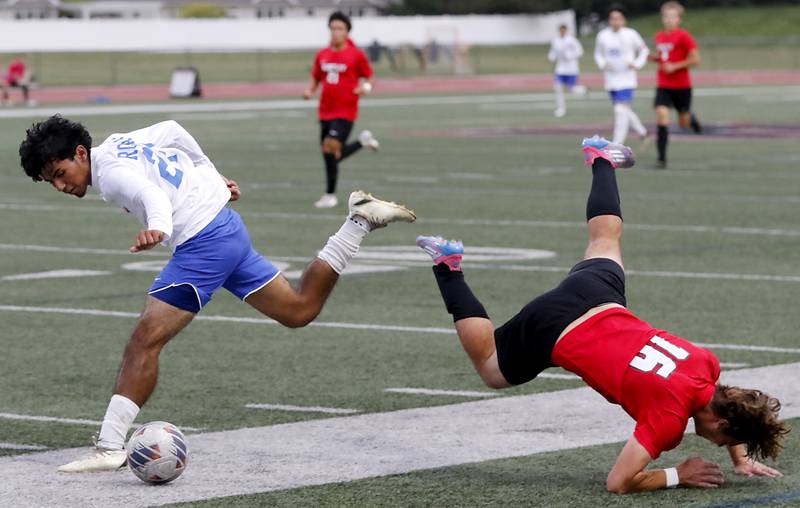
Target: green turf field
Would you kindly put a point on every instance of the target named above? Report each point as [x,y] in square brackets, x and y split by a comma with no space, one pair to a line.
[711,245]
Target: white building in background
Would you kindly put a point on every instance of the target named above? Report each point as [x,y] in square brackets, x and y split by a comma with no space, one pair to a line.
[29,9]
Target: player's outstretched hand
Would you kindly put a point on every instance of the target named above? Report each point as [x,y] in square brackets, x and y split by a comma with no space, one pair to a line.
[751,468]
[696,472]
[147,239]
[236,192]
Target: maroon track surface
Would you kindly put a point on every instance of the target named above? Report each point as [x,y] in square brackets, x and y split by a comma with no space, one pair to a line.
[439,84]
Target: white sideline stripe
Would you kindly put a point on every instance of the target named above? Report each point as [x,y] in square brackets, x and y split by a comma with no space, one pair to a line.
[348,448]
[15,446]
[430,391]
[267,105]
[352,326]
[72,421]
[56,274]
[304,409]
[552,375]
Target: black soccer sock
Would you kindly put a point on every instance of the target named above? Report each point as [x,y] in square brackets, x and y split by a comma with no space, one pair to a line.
[663,137]
[604,195]
[331,172]
[695,124]
[350,149]
[457,296]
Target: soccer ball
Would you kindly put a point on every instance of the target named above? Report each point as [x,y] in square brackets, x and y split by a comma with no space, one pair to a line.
[157,452]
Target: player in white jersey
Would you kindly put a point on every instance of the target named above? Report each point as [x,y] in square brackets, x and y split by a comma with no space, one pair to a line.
[619,52]
[161,176]
[565,51]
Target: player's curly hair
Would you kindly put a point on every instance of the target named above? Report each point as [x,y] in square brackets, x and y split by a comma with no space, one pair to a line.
[51,140]
[617,8]
[340,16]
[752,417]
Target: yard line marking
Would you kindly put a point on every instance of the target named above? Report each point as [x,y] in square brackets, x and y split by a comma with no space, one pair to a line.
[15,446]
[56,274]
[429,391]
[733,365]
[349,448]
[304,409]
[71,421]
[333,324]
[553,375]
[77,250]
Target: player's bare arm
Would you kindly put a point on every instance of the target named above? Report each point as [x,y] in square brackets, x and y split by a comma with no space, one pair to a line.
[311,89]
[746,466]
[692,59]
[365,87]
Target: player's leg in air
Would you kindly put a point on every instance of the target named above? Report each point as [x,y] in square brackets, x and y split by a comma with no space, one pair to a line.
[520,349]
[335,148]
[173,302]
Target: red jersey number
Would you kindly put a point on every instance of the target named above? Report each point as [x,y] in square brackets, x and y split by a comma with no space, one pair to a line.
[652,359]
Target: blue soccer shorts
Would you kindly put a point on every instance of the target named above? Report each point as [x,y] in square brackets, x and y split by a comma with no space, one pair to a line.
[220,255]
[568,80]
[625,95]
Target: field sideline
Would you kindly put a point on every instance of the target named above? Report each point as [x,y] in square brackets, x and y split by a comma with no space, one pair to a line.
[376,404]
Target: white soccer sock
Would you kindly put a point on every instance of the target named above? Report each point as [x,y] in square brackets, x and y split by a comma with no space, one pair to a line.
[636,124]
[558,88]
[343,245]
[621,120]
[119,416]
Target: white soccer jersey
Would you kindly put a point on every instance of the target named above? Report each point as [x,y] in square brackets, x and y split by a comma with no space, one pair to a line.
[565,52]
[160,175]
[614,52]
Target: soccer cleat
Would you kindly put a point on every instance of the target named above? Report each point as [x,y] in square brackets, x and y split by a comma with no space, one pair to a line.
[620,156]
[326,201]
[377,212]
[367,140]
[444,251]
[559,113]
[102,459]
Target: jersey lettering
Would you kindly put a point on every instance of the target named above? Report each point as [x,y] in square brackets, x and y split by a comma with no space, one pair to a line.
[169,173]
[126,148]
[332,71]
[650,358]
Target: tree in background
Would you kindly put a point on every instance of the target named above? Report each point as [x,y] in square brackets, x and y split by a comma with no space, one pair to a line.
[202,10]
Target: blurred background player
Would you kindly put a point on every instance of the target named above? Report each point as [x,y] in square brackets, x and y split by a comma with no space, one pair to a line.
[565,51]
[676,52]
[659,379]
[345,74]
[619,52]
[17,76]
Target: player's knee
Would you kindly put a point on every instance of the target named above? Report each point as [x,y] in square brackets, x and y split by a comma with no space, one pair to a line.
[330,145]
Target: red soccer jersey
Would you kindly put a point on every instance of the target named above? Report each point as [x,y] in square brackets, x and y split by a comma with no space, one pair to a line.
[674,46]
[659,379]
[339,72]
[16,71]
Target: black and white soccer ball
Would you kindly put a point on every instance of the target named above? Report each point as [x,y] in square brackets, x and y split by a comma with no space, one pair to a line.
[157,452]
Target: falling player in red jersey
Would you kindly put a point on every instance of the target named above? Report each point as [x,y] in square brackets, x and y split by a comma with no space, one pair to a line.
[583,325]
[676,51]
[345,74]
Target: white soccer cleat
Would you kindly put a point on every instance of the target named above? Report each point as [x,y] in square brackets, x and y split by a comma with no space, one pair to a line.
[376,212]
[326,201]
[559,113]
[367,140]
[101,460]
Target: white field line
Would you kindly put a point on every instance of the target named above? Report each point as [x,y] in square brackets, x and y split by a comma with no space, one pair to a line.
[348,448]
[344,325]
[554,375]
[430,391]
[304,409]
[56,274]
[477,266]
[270,105]
[15,446]
[70,421]
[674,228]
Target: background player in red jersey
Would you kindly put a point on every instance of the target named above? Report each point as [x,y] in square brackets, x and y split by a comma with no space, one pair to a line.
[676,51]
[345,74]
[17,76]
[583,326]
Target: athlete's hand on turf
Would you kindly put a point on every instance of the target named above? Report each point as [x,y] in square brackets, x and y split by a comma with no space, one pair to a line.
[696,472]
[147,239]
[751,468]
[236,192]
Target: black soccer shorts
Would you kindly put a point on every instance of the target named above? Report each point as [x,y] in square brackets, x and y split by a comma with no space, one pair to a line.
[338,128]
[678,98]
[525,343]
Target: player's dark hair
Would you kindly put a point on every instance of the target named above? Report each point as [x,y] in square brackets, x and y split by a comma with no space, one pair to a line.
[51,140]
[340,16]
[617,8]
[752,417]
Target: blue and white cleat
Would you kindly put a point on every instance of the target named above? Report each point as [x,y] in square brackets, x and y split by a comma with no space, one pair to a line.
[444,251]
[620,156]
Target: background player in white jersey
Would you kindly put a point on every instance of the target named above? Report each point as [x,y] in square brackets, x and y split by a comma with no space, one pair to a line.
[565,51]
[161,176]
[619,52]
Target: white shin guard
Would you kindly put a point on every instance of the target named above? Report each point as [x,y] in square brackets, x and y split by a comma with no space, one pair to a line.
[119,417]
[343,245]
